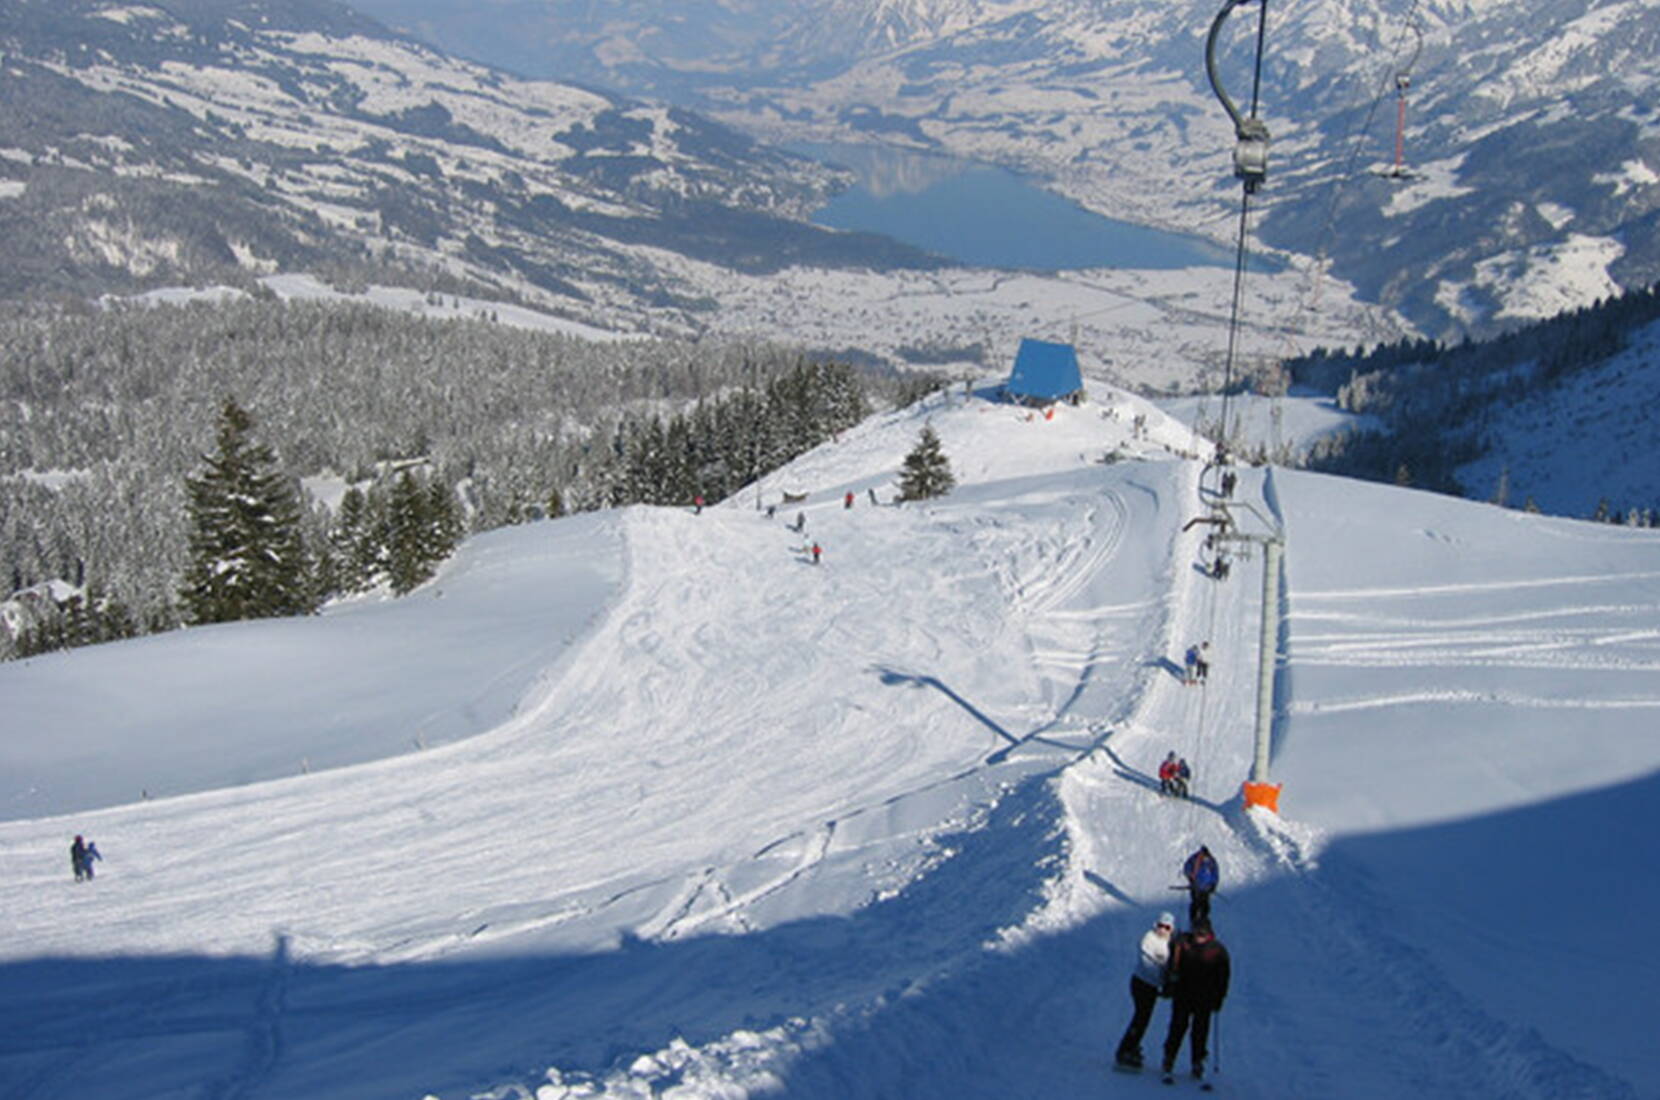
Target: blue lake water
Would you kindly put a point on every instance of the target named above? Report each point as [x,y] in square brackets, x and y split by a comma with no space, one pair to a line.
[986,216]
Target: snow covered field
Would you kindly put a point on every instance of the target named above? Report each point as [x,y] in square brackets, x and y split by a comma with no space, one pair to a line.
[695,818]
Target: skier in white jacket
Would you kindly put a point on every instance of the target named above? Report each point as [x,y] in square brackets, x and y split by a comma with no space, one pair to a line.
[1145,984]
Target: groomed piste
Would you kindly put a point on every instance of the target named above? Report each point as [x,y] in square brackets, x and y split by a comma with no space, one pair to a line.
[648,804]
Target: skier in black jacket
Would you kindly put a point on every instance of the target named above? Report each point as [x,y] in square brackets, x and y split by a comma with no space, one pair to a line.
[1199,973]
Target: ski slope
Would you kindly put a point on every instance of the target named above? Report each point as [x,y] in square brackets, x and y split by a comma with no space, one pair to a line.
[646,804]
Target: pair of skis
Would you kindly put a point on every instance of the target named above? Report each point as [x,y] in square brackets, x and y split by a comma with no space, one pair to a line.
[1205,1085]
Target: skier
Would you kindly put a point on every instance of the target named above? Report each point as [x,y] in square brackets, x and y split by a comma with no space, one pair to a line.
[872,493]
[1146,983]
[1229,480]
[1173,775]
[697,505]
[817,550]
[1202,876]
[77,858]
[847,501]
[1201,662]
[1199,972]
[92,856]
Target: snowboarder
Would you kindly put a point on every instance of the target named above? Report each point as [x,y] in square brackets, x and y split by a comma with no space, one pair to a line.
[1202,876]
[1199,972]
[847,501]
[1146,982]
[817,550]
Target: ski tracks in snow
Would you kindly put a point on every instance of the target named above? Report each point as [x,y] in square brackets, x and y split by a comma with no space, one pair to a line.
[1427,1037]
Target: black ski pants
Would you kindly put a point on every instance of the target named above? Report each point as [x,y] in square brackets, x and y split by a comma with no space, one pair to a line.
[1146,998]
[1198,906]
[1181,1013]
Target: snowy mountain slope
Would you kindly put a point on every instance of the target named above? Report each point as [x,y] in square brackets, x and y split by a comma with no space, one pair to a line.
[154,147]
[885,826]
[1530,124]
[1534,457]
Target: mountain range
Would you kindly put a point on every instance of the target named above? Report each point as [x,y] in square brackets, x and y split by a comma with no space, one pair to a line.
[194,142]
[1531,143]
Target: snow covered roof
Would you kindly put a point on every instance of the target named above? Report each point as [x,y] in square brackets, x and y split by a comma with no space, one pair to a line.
[1044,372]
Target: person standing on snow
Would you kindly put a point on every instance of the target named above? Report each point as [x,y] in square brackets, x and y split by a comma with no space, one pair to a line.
[1146,983]
[817,550]
[1202,876]
[77,858]
[1201,662]
[1199,974]
[1190,665]
[847,501]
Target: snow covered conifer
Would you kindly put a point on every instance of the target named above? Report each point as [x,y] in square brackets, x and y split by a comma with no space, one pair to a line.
[247,553]
[927,471]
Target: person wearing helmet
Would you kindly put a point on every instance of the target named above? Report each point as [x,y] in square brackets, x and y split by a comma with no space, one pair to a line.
[1146,982]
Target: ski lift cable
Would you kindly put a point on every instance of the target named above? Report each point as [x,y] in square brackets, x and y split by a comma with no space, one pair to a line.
[1250,166]
[1355,138]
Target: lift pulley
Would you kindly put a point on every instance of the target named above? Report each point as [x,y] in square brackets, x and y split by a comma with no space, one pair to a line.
[1250,154]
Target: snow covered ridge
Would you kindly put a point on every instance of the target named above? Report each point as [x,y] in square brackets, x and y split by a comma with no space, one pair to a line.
[1518,115]
[719,822]
[309,137]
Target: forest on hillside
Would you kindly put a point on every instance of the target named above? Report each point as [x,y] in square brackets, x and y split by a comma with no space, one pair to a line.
[106,412]
[1434,404]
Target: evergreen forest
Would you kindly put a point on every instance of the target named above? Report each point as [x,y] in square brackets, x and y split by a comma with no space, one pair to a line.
[112,445]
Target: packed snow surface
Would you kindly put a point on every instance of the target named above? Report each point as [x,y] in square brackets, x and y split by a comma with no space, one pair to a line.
[647,804]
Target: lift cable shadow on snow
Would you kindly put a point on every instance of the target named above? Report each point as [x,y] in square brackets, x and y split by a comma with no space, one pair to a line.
[894,678]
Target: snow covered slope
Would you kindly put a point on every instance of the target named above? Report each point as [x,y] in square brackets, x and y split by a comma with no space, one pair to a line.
[883,826]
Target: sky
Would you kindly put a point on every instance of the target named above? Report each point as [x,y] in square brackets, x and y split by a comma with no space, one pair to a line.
[646,804]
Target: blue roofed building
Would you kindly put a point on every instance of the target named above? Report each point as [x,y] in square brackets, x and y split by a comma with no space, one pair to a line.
[1044,373]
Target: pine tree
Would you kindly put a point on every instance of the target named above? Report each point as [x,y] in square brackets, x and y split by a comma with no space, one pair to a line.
[407,540]
[927,471]
[356,554]
[247,554]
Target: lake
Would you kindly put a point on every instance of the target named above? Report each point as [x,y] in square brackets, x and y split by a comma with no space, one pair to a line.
[989,217]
